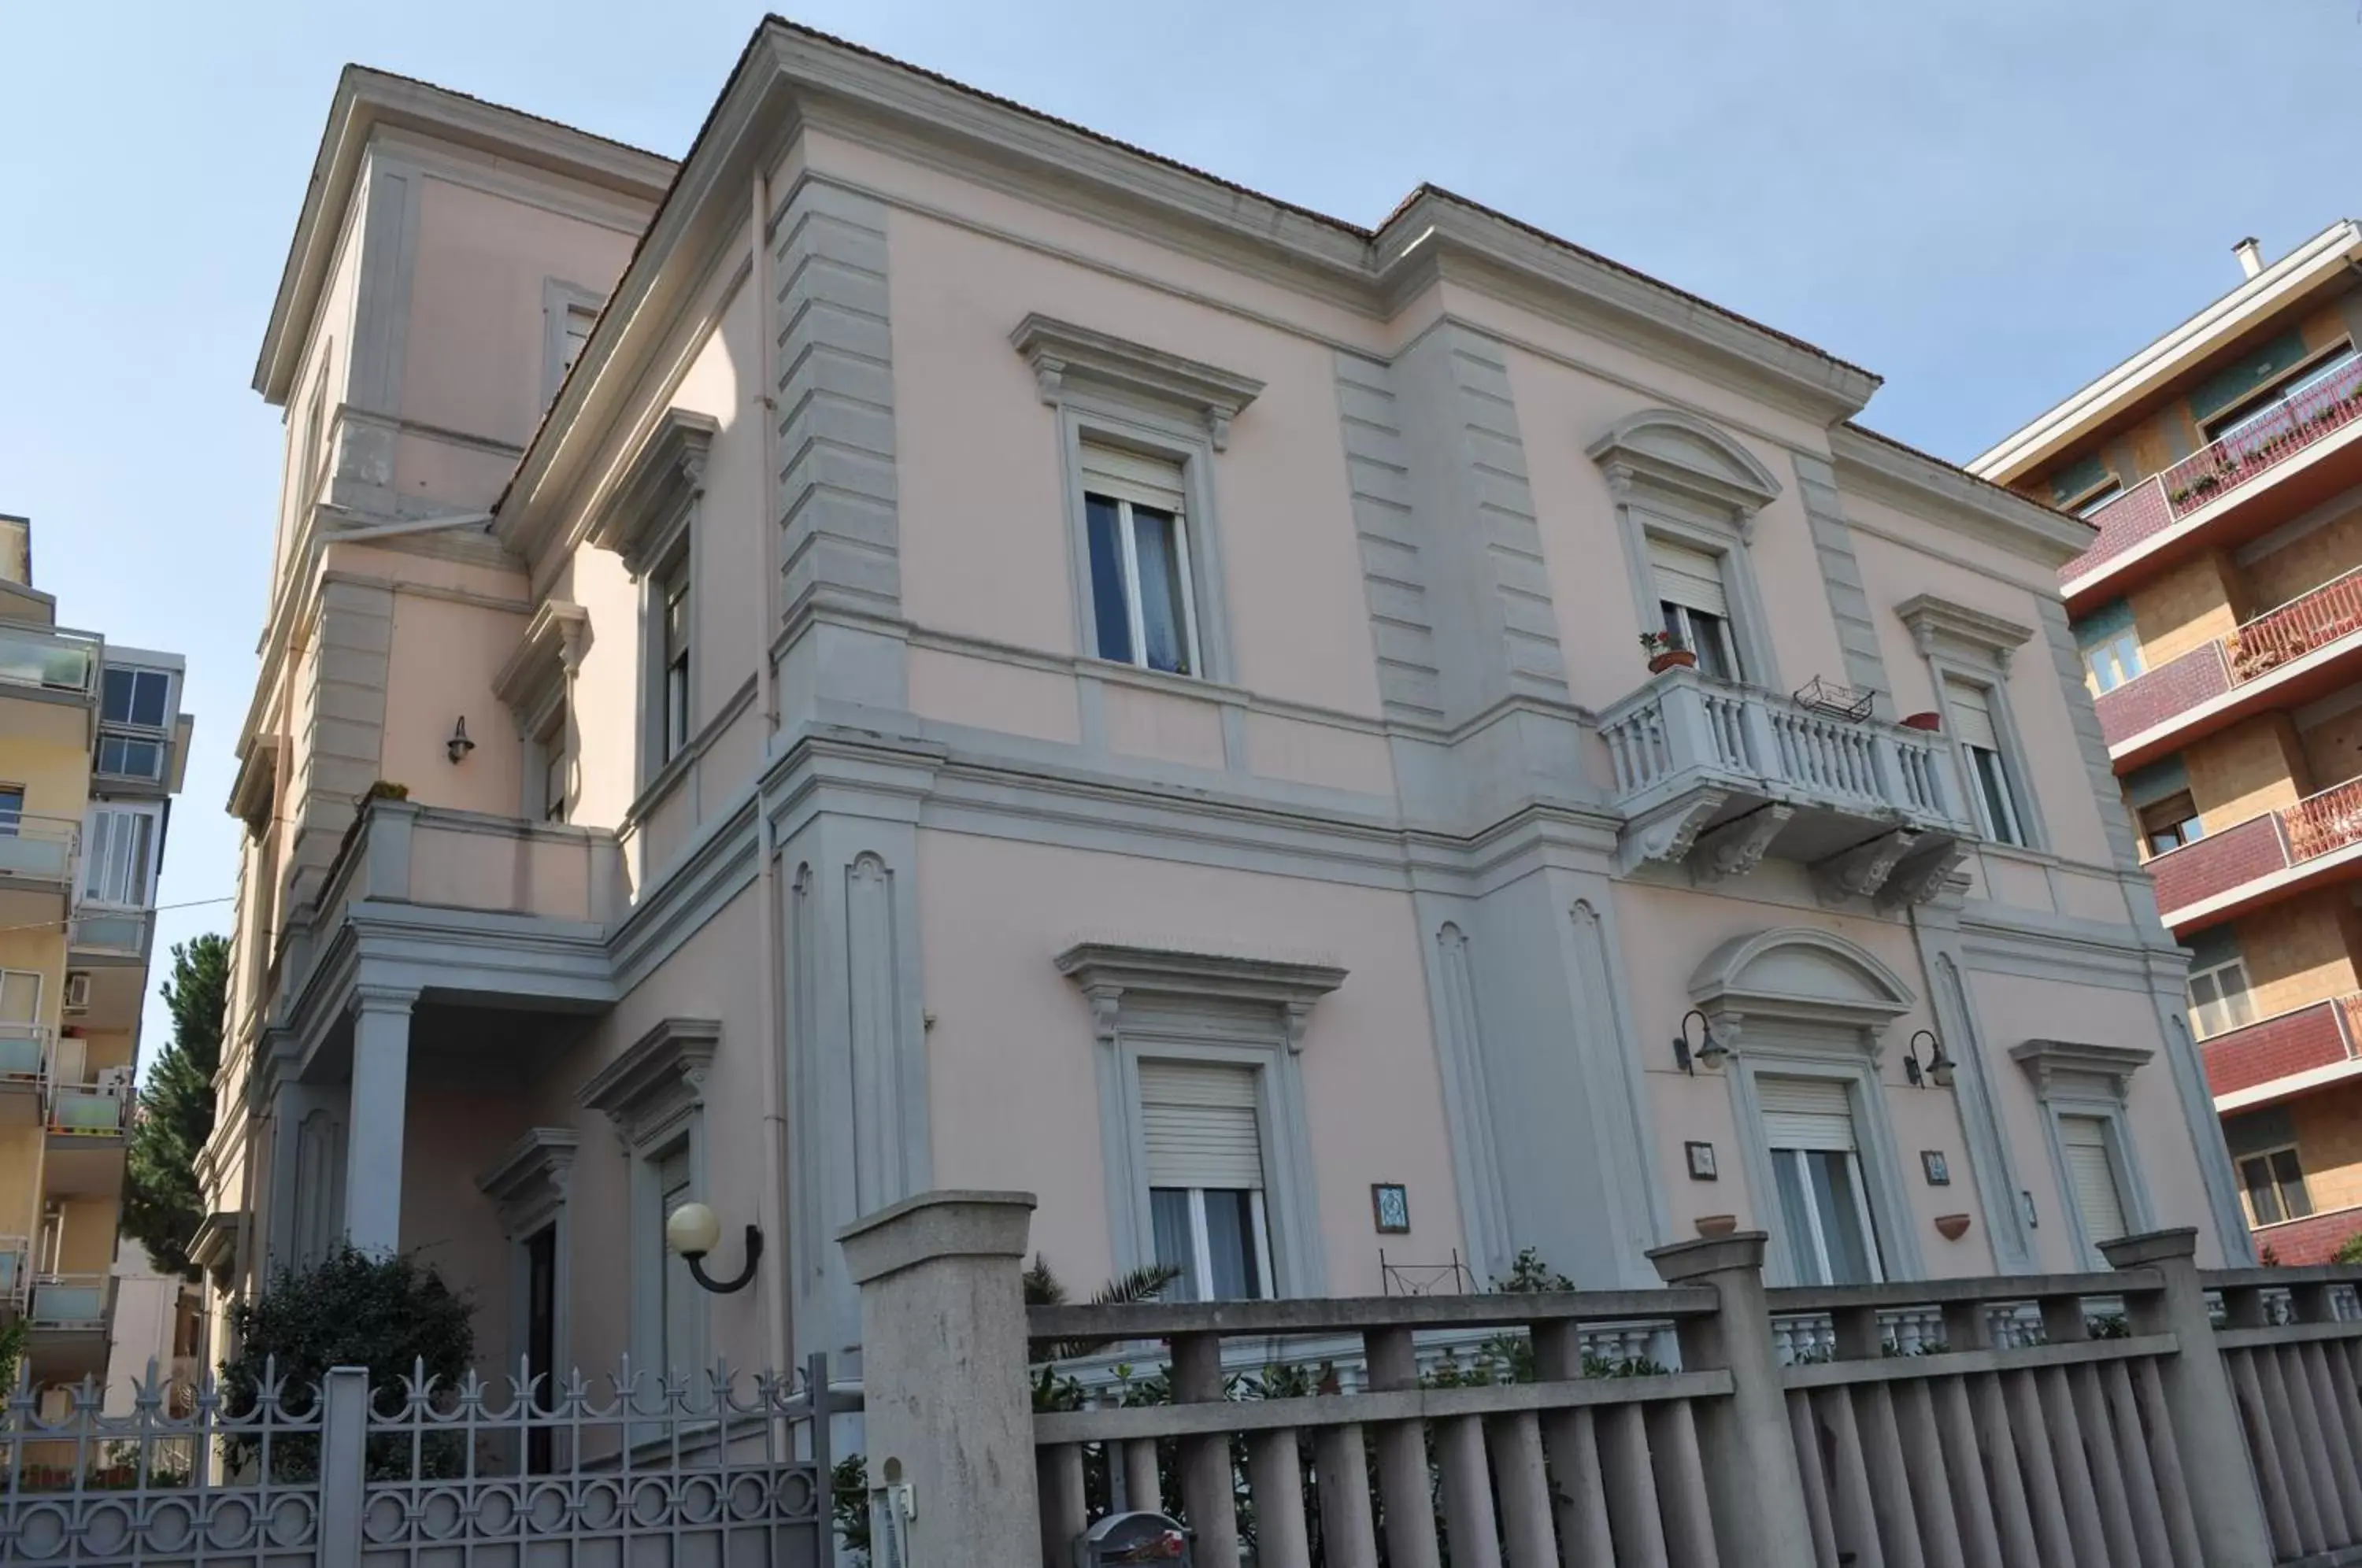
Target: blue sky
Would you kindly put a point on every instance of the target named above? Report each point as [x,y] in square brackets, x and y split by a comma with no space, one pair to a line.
[1985,201]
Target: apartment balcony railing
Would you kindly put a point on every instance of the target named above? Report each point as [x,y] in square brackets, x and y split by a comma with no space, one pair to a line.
[1733,772]
[2314,622]
[49,661]
[2301,1040]
[68,1301]
[90,1110]
[36,848]
[2206,880]
[16,1271]
[99,932]
[24,1055]
[2312,413]
[2312,1240]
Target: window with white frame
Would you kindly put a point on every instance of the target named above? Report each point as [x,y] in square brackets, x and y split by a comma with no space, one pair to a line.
[1816,1167]
[2218,998]
[12,810]
[20,996]
[1202,1128]
[2272,1183]
[1143,599]
[119,856]
[674,628]
[1694,606]
[573,332]
[1978,728]
[2091,1177]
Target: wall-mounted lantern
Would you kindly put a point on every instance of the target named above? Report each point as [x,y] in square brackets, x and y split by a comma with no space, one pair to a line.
[1937,1069]
[1709,1051]
[459,746]
[692,1230]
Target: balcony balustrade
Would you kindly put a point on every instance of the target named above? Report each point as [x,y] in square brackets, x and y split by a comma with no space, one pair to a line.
[2310,415]
[36,848]
[2320,619]
[99,932]
[65,662]
[1720,773]
[15,1270]
[2205,881]
[90,1110]
[68,1301]
[2240,1062]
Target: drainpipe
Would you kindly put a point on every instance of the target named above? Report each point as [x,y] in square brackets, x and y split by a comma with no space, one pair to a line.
[775,1130]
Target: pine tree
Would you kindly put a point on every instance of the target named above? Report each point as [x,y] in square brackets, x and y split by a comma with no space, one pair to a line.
[161,1203]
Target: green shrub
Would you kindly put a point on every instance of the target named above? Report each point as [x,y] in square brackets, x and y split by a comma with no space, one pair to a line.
[392,1315]
[2349,1251]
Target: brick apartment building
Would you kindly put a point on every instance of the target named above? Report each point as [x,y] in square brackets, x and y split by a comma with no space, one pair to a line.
[2219,613]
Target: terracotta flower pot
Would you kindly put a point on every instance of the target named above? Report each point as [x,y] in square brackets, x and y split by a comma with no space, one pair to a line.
[1717,1224]
[1951,1227]
[1672,658]
[1930,721]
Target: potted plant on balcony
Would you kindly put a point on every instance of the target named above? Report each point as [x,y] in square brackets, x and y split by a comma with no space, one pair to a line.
[1931,721]
[1665,652]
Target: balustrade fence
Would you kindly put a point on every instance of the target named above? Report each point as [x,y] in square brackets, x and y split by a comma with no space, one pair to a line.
[2148,1416]
[709,1471]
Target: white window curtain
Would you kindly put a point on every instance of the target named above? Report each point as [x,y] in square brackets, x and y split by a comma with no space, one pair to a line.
[2093,1176]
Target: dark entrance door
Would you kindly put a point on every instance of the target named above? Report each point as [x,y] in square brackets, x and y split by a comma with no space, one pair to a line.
[541,1338]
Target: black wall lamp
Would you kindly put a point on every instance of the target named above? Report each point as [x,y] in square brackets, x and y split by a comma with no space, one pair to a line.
[692,1228]
[459,746]
[1708,1051]
[1938,1067]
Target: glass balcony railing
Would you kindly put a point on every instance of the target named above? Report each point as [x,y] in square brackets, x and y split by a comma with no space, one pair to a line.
[117,932]
[68,1301]
[89,1110]
[36,848]
[49,661]
[16,1274]
[24,1054]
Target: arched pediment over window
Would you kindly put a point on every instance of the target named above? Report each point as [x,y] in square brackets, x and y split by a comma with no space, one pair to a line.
[1798,974]
[1685,454]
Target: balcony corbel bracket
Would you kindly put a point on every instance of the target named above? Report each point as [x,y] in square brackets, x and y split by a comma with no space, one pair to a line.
[1861,871]
[1922,875]
[1736,847]
[1667,832]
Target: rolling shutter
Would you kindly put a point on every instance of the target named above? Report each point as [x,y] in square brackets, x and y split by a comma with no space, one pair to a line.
[1973,718]
[2092,1176]
[1127,476]
[1689,578]
[1805,1113]
[1198,1122]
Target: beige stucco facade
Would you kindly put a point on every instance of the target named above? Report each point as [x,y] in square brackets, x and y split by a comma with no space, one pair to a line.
[93,745]
[818,843]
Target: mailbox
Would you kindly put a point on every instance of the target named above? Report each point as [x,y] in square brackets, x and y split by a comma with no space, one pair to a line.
[1133,1538]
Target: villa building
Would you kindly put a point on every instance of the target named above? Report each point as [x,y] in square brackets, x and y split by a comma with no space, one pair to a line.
[2219,611]
[92,742]
[922,647]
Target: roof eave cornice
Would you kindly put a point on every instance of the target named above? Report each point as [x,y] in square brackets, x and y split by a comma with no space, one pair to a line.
[1939,492]
[1435,229]
[366,99]
[2252,303]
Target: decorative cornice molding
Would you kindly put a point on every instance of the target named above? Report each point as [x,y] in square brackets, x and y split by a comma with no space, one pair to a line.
[665,472]
[1933,620]
[1061,351]
[1723,986]
[550,650]
[531,1177]
[1935,492]
[254,791]
[1685,454]
[663,1071]
[2048,1060]
[1109,971]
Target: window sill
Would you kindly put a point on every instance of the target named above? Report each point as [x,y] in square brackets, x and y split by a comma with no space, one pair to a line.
[1147,679]
[667,777]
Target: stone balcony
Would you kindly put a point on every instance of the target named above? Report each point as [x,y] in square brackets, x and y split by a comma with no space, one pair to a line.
[1717,775]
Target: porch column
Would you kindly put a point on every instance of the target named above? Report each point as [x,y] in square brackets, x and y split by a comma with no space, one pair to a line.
[381,1085]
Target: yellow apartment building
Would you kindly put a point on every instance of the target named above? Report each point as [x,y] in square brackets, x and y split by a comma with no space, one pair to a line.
[92,742]
[2219,615]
